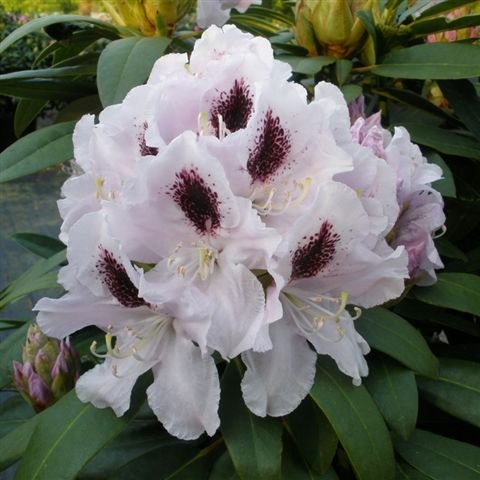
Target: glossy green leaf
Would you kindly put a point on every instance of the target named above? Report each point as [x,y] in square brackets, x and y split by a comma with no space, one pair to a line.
[342,70]
[10,350]
[387,332]
[14,411]
[126,63]
[307,65]
[442,24]
[407,472]
[75,431]
[38,277]
[458,291]
[313,435]
[432,61]
[422,312]
[445,141]
[224,469]
[356,421]
[464,100]
[443,6]
[36,151]
[254,443]
[448,249]
[440,458]
[351,92]
[41,245]
[394,390]
[82,106]
[446,186]
[27,110]
[457,389]
[42,22]
[14,444]
[10,324]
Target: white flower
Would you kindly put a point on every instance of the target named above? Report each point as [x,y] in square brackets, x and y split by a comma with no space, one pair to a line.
[217,12]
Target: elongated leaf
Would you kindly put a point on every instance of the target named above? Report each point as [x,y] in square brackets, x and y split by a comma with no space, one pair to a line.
[407,472]
[445,141]
[224,469]
[61,72]
[27,110]
[441,24]
[254,443]
[14,444]
[356,421]
[313,435]
[37,277]
[463,98]
[440,458]
[444,6]
[307,65]
[394,390]
[387,332]
[76,109]
[15,411]
[10,350]
[125,64]
[446,186]
[60,434]
[43,22]
[458,291]
[39,244]
[457,389]
[431,61]
[449,250]
[36,151]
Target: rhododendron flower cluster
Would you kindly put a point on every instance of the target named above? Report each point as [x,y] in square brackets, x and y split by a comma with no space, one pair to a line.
[218,210]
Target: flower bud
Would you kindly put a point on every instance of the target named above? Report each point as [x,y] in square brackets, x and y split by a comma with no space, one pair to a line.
[330,24]
[151,17]
[50,369]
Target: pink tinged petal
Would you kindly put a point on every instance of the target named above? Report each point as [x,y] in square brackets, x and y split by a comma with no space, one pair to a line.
[186,390]
[210,12]
[38,390]
[81,140]
[168,66]
[18,378]
[277,381]
[110,384]
[239,311]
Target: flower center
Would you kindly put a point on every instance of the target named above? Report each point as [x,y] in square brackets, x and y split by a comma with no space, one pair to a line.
[233,108]
[114,276]
[197,200]
[312,257]
[271,150]
[192,262]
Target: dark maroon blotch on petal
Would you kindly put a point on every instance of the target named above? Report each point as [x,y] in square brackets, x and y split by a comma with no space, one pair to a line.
[271,150]
[198,201]
[144,148]
[114,276]
[235,107]
[311,258]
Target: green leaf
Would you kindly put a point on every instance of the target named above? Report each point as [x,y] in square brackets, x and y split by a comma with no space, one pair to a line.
[446,186]
[313,435]
[10,350]
[43,22]
[351,92]
[306,65]
[406,472]
[37,277]
[342,70]
[457,389]
[75,431]
[41,245]
[14,411]
[443,6]
[464,100]
[387,332]
[440,458]
[437,316]
[76,109]
[27,110]
[36,151]
[458,291]
[356,421]
[445,141]
[254,443]
[395,392]
[14,444]
[448,249]
[126,63]
[224,469]
[442,24]
[433,61]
